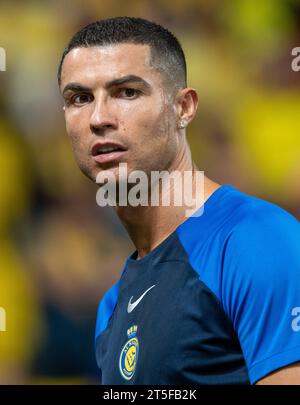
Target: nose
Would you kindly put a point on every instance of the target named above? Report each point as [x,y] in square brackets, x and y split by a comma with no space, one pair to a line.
[102,117]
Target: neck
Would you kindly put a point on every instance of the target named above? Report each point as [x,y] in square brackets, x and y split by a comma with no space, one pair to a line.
[149,225]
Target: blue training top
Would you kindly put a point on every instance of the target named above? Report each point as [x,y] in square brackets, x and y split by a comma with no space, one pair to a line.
[217,302]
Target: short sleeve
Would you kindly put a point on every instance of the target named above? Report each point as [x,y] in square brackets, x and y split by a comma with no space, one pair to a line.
[261,289]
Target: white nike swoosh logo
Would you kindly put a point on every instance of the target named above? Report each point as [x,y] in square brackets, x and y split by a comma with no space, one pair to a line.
[132,305]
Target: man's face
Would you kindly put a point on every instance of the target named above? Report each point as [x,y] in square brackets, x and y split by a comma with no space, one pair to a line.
[114,98]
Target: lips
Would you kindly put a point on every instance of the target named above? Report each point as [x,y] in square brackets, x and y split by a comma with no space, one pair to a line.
[105,152]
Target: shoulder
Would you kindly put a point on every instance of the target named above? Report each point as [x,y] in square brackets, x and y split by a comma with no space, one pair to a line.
[262,237]
[261,261]
[263,228]
[238,232]
[232,220]
[255,212]
[106,308]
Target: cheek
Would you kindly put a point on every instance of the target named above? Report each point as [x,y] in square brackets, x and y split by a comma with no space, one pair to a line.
[75,127]
[153,140]
[73,119]
[154,126]
[148,121]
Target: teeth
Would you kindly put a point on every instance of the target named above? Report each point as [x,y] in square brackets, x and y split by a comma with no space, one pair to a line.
[105,150]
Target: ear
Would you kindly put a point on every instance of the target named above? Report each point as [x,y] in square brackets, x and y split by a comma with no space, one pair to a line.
[64,108]
[186,105]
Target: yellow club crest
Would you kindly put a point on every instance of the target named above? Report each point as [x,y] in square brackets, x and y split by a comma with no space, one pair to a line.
[129,354]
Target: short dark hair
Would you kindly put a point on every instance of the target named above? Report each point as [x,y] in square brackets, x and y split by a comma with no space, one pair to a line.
[166,52]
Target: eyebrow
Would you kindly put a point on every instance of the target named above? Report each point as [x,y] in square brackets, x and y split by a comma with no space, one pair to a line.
[115,82]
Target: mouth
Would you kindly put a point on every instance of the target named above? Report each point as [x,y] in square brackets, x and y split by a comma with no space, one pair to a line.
[107,152]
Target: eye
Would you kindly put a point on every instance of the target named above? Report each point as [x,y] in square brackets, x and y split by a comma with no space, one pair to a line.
[129,93]
[80,99]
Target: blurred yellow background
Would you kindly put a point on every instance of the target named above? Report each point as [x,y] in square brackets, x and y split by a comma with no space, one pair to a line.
[59,252]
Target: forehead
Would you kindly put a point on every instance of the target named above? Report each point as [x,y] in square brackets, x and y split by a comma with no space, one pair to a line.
[105,63]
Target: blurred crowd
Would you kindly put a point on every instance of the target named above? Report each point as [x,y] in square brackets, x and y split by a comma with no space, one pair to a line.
[59,251]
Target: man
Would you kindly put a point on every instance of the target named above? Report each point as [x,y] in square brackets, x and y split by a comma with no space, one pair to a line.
[209,299]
